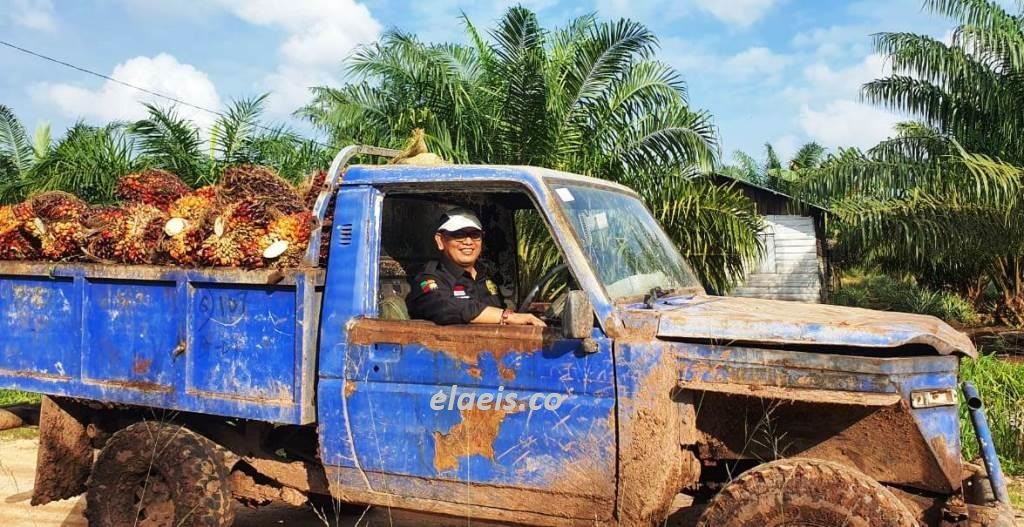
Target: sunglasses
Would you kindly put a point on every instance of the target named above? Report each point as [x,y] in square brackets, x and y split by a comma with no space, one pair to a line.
[473,234]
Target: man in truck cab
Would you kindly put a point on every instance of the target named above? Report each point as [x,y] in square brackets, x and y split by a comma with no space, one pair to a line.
[450,290]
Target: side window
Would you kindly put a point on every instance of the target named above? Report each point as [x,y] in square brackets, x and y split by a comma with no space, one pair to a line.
[517,246]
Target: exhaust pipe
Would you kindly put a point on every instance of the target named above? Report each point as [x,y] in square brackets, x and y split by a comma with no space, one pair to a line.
[985,444]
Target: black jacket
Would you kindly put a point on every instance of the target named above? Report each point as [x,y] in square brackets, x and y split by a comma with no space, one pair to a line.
[446,294]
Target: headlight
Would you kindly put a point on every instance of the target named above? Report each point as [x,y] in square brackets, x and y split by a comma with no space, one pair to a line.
[933,398]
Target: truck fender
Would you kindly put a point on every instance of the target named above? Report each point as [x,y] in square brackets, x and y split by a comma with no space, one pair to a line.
[65,456]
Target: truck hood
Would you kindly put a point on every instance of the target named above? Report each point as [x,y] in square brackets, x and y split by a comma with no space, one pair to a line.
[752,320]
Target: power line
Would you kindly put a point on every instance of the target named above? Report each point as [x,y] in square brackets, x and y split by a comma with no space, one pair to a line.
[132,86]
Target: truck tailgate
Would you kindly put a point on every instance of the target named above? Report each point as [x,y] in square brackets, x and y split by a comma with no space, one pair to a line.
[217,341]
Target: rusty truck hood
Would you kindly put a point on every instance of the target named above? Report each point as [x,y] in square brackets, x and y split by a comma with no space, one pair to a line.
[752,320]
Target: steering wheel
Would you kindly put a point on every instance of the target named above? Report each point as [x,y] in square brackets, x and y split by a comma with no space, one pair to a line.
[548,276]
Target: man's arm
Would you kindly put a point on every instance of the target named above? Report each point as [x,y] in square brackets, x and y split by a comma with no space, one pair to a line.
[492,315]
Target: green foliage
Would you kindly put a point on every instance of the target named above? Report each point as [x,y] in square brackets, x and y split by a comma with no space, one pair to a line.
[941,200]
[588,98]
[1001,386]
[15,147]
[171,143]
[88,160]
[772,172]
[16,397]
[891,294]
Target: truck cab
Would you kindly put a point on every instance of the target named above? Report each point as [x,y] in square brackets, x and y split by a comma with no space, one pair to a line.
[315,382]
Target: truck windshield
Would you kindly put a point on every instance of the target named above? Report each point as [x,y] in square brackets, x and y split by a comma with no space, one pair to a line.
[629,251]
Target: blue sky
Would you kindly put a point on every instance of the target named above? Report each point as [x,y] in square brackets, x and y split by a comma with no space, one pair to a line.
[784,71]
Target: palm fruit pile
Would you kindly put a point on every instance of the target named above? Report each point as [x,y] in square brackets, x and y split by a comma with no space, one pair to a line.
[252,218]
[128,234]
[264,223]
[311,191]
[14,244]
[57,224]
[191,222]
[154,187]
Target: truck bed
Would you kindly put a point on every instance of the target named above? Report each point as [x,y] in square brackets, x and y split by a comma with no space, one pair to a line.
[227,342]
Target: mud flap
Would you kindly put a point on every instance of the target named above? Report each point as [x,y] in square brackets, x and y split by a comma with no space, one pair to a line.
[65,455]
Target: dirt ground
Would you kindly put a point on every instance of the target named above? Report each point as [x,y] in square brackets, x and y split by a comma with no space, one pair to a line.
[17,467]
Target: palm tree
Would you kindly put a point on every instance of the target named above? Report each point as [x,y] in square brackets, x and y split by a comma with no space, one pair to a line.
[88,160]
[168,141]
[588,98]
[941,200]
[17,153]
[772,172]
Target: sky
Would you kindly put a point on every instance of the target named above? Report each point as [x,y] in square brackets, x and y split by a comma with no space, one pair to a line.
[779,71]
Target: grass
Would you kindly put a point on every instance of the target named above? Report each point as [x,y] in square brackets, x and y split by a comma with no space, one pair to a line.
[23,432]
[1001,386]
[877,291]
[13,397]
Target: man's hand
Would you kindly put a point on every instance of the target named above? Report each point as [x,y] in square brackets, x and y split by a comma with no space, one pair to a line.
[525,319]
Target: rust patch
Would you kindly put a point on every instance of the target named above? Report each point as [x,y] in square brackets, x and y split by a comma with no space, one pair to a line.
[350,388]
[475,372]
[141,366]
[474,435]
[506,373]
[465,344]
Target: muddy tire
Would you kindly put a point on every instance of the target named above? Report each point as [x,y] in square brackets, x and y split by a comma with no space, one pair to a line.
[159,474]
[805,492]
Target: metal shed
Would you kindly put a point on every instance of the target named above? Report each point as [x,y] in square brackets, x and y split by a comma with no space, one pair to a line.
[795,264]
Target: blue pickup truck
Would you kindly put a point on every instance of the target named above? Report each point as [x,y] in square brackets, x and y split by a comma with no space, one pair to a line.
[200,388]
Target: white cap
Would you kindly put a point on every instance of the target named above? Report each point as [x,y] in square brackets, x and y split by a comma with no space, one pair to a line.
[457,219]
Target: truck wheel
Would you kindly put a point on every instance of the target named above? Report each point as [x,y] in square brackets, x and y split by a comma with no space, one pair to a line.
[805,492]
[159,475]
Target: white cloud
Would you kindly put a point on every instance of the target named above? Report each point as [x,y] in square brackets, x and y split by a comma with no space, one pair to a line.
[822,82]
[687,56]
[756,61]
[741,13]
[111,101]
[320,34]
[785,146]
[847,123]
[830,112]
[33,14]
[836,41]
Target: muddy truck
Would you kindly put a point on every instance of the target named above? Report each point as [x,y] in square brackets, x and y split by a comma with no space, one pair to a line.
[176,394]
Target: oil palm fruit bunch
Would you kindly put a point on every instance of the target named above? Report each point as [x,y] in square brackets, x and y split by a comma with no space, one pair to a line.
[287,238]
[237,234]
[312,187]
[57,224]
[129,234]
[312,190]
[191,222]
[154,187]
[261,183]
[14,245]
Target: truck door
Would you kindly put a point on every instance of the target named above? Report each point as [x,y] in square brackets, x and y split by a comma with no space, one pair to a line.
[428,406]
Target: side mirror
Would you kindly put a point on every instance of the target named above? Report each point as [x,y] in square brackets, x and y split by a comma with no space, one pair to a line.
[577,316]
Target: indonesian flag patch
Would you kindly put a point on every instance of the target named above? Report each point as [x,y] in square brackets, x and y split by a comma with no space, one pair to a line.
[459,291]
[428,285]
